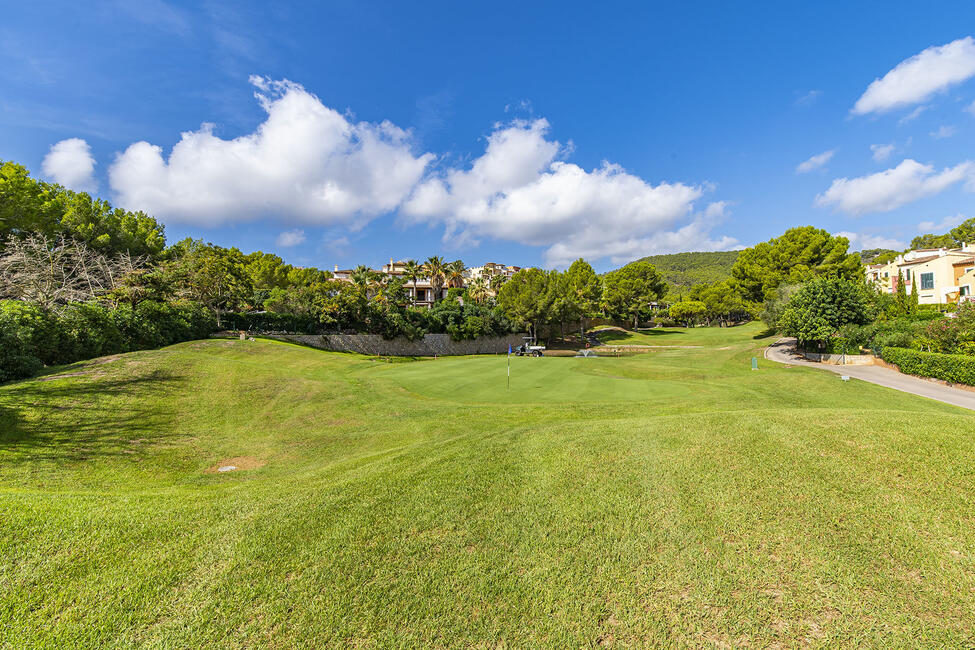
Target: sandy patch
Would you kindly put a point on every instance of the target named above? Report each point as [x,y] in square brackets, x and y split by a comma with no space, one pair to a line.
[236,464]
[99,361]
[62,376]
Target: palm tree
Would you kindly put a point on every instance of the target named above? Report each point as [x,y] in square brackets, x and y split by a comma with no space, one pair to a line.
[361,276]
[436,271]
[478,290]
[413,271]
[496,281]
[366,279]
[455,273]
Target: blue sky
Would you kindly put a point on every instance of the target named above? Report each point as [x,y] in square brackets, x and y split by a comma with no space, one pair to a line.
[526,133]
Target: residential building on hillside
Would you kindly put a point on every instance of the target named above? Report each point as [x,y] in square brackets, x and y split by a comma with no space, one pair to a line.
[490,270]
[943,275]
[423,288]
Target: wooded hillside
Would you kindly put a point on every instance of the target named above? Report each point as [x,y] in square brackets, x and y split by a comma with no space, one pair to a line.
[684,270]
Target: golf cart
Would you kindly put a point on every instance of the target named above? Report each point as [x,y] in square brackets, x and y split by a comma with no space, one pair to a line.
[529,348]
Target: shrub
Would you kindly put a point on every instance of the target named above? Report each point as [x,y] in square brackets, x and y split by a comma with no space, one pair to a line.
[268,321]
[850,338]
[823,305]
[954,368]
[34,326]
[31,337]
[18,330]
[86,331]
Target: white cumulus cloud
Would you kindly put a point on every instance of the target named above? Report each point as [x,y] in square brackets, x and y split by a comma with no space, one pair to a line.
[70,163]
[522,190]
[892,188]
[290,238]
[942,226]
[881,152]
[306,162]
[815,162]
[916,79]
[864,241]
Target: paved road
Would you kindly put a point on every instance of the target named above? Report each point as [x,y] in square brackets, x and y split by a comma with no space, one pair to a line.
[783,351]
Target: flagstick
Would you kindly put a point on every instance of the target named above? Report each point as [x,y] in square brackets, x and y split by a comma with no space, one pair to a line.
[509,368]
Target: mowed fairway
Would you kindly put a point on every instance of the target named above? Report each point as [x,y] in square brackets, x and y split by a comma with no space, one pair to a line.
[671,498]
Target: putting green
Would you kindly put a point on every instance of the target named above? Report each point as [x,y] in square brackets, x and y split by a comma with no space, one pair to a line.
[674,498]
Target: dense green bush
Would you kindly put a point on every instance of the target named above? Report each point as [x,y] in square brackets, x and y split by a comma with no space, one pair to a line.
[18,349]
[156,324]
[954,368]
[31,337]
[267,321]
[822,306]
[464,321]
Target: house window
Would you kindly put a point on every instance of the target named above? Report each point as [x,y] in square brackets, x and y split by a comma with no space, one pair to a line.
[886,275]
[907,275]
[965,290]
[927,281]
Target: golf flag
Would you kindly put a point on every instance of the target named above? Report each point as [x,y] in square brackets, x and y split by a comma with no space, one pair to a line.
[509,367]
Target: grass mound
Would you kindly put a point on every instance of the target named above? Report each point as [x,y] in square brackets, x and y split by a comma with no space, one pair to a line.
[675,497]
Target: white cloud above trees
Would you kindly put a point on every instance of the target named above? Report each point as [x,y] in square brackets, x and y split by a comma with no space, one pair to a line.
[70,163]
[864,241]
[916,79]
[306,162]
[942,226]
[290,238]
[521,189]
[887,190]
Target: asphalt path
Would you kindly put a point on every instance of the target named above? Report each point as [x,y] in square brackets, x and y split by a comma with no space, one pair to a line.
[783,351]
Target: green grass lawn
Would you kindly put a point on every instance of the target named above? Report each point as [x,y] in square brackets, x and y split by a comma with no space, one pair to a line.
[671,498]
[676,336]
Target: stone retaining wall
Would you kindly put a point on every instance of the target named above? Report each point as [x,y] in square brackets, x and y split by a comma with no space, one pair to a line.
[841,359]
[430,345]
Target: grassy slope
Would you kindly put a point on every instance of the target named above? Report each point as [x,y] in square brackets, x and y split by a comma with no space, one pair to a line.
[673,336]
[675,496]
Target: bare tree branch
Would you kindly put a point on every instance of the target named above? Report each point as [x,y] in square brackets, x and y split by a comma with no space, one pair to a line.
[55,272]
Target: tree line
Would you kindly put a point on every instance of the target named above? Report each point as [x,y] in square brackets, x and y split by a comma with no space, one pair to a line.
[79,263]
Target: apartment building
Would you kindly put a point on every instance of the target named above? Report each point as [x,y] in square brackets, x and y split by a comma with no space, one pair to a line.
[943,275]
[490,270]
[421,292]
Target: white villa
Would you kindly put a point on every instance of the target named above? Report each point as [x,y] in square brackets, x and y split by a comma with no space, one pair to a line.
[490,270]
[943,275]
[424,289]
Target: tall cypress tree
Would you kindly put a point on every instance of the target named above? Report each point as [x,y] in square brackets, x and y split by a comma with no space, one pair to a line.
[901,297]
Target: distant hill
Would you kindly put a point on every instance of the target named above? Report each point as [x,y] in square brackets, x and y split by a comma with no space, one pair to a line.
[684,270]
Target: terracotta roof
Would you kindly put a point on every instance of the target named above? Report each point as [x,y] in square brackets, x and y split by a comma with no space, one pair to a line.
[920,260]
[966,261]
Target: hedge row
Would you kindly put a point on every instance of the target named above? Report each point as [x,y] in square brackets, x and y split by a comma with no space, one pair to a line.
[271,322]
[31,337]
[954,368]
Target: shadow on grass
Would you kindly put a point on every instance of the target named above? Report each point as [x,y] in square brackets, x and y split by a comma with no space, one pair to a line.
[617,335]
[79,420]
[764,334]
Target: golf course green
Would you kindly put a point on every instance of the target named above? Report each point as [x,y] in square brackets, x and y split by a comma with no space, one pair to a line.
[672,498]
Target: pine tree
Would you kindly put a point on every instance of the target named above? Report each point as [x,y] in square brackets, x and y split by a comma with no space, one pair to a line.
[912,303]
